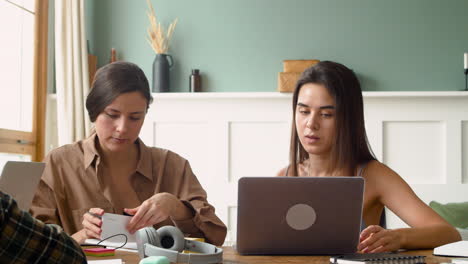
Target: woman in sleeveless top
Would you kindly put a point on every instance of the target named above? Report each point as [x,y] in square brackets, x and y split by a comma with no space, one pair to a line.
[329,139]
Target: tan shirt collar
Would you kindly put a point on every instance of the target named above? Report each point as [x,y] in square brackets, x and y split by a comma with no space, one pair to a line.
[91,154]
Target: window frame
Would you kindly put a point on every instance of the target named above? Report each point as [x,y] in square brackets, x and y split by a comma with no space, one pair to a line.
[33,143]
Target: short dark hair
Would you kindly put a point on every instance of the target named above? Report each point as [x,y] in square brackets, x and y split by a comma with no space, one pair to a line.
[351,146]
[113,80]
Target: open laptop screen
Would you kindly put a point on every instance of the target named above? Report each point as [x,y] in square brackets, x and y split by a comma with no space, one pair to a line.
[299,215]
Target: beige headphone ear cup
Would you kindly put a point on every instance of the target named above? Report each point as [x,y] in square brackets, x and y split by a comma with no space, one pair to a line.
[170,237]
[147,235]
[153,237]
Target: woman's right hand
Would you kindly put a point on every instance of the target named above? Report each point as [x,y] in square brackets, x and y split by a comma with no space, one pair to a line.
[91,225]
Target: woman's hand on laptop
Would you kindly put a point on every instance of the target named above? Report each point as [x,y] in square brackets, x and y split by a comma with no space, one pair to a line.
[91,225]
[157,209]
[375,239]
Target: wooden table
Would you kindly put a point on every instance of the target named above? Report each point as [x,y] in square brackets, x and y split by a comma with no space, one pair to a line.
[230,256]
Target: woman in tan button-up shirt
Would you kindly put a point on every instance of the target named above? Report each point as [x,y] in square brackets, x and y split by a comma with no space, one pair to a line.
[114,171]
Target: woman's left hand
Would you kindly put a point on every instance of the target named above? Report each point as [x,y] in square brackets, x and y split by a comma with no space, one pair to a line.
[376,239]
[152,211]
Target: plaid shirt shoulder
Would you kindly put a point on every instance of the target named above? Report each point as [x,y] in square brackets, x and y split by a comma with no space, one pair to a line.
[28,240]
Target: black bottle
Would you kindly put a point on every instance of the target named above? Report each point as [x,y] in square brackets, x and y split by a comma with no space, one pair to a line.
[195,81]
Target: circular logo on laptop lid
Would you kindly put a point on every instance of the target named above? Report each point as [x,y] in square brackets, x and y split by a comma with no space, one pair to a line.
[300,216]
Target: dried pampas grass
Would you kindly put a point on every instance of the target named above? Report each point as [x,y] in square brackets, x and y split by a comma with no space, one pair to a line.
[157,38]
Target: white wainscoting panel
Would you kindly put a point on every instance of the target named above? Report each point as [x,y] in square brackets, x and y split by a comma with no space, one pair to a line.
[465,151]
[415,150]
[231,225]
[248,142]
[177,136]
[421,135]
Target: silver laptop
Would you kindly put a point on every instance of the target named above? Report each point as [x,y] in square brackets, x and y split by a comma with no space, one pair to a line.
[20,179]
[299,215]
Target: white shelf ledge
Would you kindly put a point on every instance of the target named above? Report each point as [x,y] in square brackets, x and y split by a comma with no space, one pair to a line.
[222,95]
[277,95]
[402,94]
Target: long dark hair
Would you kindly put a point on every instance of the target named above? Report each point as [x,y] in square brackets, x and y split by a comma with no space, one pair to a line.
[351,146]
[113,80]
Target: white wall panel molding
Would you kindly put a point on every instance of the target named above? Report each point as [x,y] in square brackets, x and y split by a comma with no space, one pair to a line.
[258,148]
[464,154]
[453,151]
[416,150]
[232,224]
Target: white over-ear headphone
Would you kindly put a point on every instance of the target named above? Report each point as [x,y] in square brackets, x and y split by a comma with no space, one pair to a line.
[169,241]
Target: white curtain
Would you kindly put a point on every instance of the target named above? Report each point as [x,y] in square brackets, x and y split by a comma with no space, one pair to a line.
[71,69]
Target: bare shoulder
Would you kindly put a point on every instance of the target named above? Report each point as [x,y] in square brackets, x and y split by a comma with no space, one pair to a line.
[377,170]
[385,182]
[283,171]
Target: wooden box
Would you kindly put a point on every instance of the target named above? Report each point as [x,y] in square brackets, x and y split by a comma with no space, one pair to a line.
[298,65]
[287,81]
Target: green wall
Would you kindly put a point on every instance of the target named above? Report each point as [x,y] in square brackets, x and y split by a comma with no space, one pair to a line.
[239,45]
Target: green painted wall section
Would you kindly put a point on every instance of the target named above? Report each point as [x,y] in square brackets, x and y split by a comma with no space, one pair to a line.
[239,45]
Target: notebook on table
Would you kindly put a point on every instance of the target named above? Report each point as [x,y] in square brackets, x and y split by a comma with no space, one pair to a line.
[299,215]
[455,249]
[377,258]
